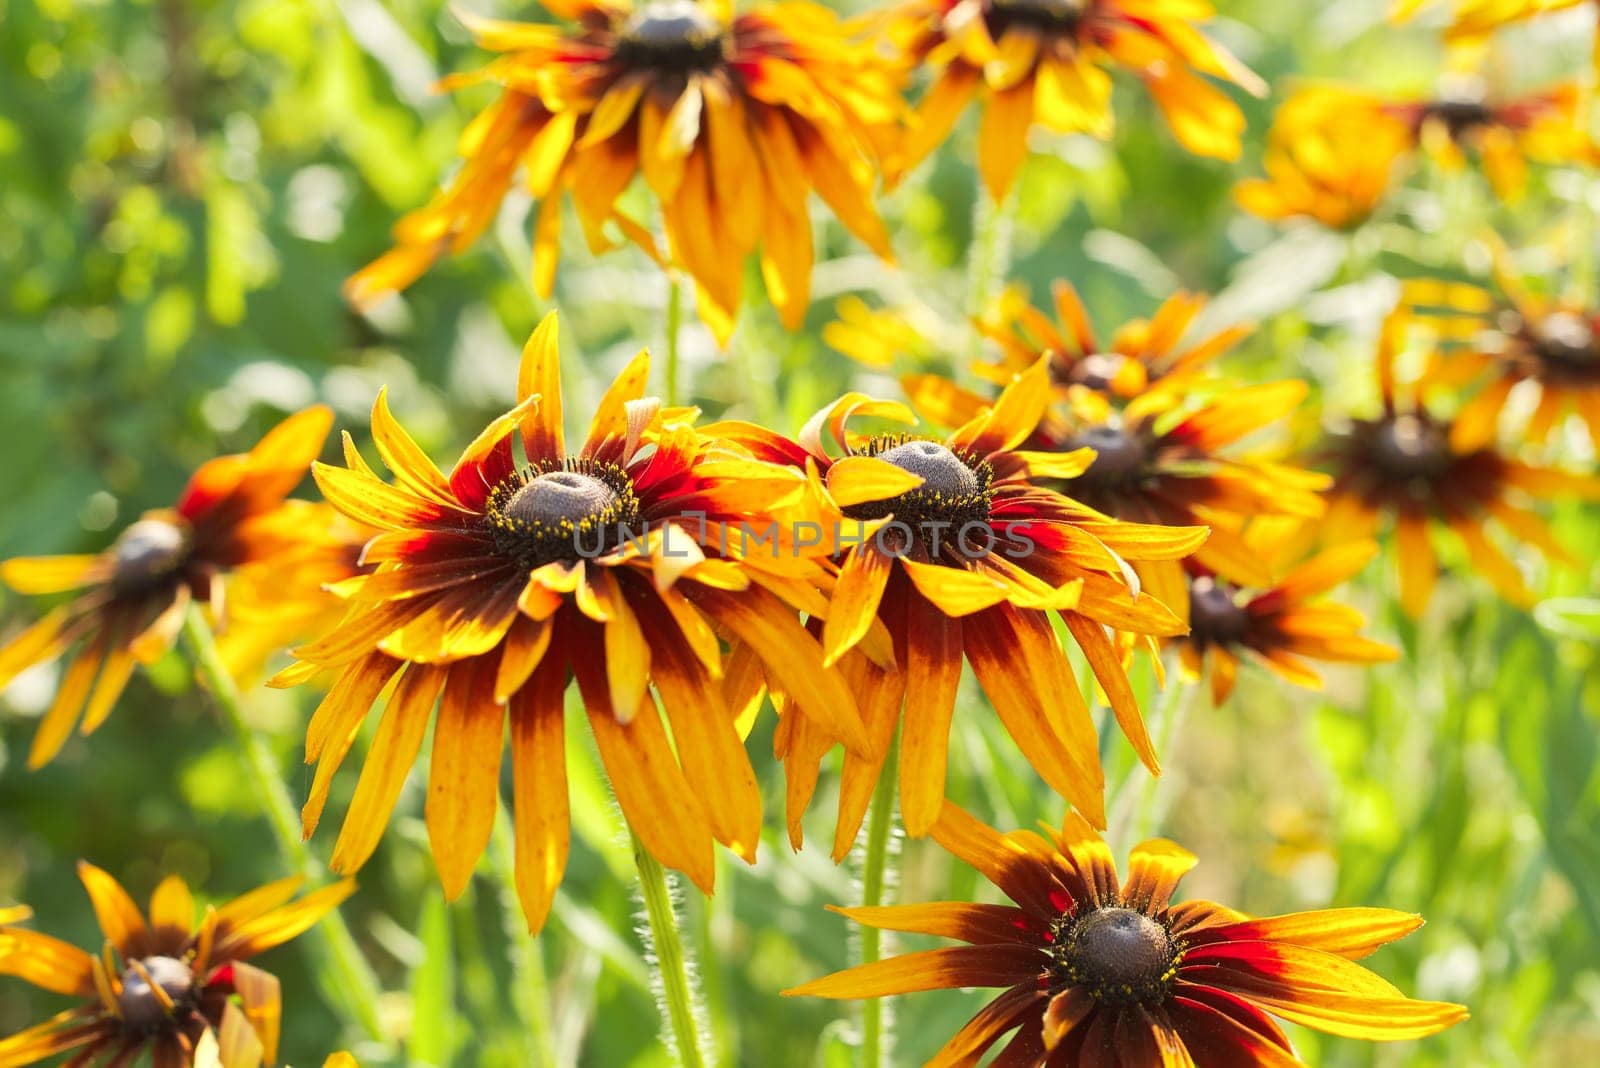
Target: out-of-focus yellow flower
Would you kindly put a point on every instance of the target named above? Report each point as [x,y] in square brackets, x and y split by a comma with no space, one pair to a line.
[732,120]
[1049,62]
[1330,157]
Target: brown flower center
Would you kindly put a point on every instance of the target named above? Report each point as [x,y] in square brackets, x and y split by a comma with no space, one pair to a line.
[1096,371]
[939,514]
[580,509]
[141,1007]
[1411,447]
[1116,954]
[1460,116]
[1215,618]
[148,553]
[671,34]
[1053,13]
[1567,342]
[1119,456]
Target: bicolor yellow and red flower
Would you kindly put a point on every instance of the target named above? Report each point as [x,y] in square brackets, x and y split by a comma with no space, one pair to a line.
[162,982]
[732,120]
[498,583]
[1282,626]
[1169,457]
[1421,472]
[1502,338]
[1049,63]
[963,558]
[131,599]
[1100,971]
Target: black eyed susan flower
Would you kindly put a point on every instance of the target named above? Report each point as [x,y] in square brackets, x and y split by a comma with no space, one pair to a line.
[1101,973]
[1140,355]
[1282,626]
[1502,341]
[1049,63]
[1167,457]
[964,557]
[1422,472]
[621,563]
[1331,158]
[161,983]
[732,121]
[131,598]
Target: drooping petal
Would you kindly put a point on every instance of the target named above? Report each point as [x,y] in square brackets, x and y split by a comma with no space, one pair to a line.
[464,774]
[933,969]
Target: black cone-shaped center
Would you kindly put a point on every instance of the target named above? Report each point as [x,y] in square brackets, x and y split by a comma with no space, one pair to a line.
[1119,949]
[671,33]
[138,1003]
[1215,618]
[1568,340]
[941,470]
[1408,446]
[1119,456]
[1096,371]
[1460,115]
[560,497]
[146,553]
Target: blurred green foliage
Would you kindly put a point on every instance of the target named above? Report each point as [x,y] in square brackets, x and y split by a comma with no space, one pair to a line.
[185,183]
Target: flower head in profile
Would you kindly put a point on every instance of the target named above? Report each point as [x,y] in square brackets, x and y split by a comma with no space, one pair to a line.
[1170,457]
[731,120]
[1140,355]
[1049,63]
[1502,133]
[1282,626]
[1425,473]
[1331,158]
[621,562]
[1498,339]
[130,600]
[963,557]
[162,982]
[1100,971]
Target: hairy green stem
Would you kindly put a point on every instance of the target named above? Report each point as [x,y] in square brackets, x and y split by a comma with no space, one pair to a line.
[530,988]
[874,880]
[671,962]
[347,977]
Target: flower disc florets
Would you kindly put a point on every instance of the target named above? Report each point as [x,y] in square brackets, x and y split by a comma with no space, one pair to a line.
[1060,16]
[1119,456]
[955,490]
[141,1007]
[1410,447]
[1116,954]
[671,34]
[1215,618]
[148,553]
[567,511]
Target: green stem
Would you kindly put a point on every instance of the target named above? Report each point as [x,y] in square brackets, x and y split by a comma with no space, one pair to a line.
[874,880]
[348,978]
[1157,797]
[674,328]
[530,988]
[672,963]
[990,255]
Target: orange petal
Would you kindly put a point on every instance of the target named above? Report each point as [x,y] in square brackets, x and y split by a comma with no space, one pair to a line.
[464,774]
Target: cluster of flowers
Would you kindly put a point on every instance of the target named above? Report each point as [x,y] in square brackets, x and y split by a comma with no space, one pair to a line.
[1115,472]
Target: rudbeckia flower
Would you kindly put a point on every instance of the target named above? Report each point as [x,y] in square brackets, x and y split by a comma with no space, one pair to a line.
[1098,972]
[1504,134]
[1049,63]
[732,120]
[1139,355]
[1551,343]
[1279,627]
[160,984]
[1167,458]
[131,598]
[1419,471]
[964,557]
[621,563]
[1330,158]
